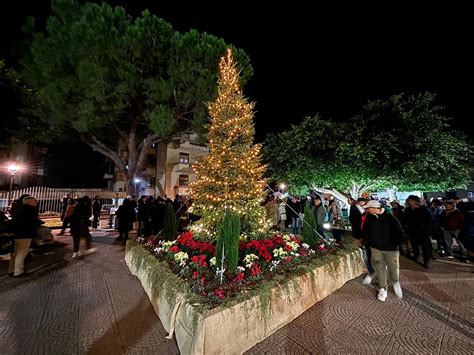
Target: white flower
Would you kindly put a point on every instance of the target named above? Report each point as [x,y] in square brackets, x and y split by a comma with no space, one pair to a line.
[292,245]
[167,245]
[181,256]
[249,259]
[213,261]
[241,268]
[158,250]
[274,264]
[286,238]
[304,245]
[279,253]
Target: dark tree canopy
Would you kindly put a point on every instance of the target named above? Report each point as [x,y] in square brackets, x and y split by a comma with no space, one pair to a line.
[402,142]
[105,76]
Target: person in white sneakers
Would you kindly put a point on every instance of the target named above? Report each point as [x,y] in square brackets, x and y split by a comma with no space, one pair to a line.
[384,235]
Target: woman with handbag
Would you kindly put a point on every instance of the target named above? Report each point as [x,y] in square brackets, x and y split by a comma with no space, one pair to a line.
[336,220]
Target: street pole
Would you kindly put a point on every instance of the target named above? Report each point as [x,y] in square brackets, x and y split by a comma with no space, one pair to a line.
[12,168]
[10,191]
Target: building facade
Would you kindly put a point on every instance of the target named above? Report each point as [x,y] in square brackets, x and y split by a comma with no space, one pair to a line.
[169,168]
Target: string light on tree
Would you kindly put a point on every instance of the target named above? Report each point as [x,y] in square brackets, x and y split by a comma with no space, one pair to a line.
[231,175]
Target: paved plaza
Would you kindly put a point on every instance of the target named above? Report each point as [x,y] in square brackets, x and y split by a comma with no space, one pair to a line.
[95,306]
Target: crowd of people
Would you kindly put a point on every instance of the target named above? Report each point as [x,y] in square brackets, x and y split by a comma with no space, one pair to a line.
[384,230]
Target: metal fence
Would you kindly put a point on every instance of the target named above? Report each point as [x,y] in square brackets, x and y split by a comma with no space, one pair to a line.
[50,200]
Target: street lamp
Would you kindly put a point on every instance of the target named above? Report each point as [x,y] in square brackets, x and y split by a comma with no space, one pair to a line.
[12,168]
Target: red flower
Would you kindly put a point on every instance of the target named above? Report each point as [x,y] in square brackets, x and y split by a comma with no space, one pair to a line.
[238,278]
[174,249]
[255,270]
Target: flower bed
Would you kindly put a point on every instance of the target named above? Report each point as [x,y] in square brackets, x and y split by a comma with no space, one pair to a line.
[259,262]
[277,279]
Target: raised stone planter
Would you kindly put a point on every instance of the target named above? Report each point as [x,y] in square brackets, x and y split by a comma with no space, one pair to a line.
[234,329]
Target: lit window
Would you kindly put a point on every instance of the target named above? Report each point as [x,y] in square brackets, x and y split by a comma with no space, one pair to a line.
[183,158]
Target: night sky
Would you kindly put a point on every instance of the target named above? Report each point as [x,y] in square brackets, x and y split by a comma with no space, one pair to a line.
[321,59]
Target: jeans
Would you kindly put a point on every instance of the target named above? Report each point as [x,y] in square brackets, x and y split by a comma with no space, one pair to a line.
[367,254]
[448,239]
[320,231]
[17,259]
[383,262]
[295,222]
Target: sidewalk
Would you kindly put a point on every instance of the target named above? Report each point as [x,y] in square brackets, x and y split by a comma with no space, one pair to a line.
[95,306]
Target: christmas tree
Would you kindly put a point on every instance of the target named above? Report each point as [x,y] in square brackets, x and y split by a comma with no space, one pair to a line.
[231,176]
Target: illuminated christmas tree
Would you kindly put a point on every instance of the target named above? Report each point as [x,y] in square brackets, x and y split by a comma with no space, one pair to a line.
[231,176]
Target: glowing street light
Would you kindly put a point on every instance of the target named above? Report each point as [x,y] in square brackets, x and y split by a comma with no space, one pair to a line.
[12,168]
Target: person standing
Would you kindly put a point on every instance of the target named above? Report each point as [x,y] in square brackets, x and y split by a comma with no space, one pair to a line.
[96,208]
[23,226]
[126,217]
[64,204]
[384,234]
[336,220]
[80,226]
[319,212]
[294,211]
[357,212]
[451,222]
[419,226]
[282,215]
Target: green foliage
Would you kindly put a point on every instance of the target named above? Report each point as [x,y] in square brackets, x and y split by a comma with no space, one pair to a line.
[104,76]
[228,239]
[309,227]
[316,153]
[409,138]
[403,141]
[169,225]
[17,98]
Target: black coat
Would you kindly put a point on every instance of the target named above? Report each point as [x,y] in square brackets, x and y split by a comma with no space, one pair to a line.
[25,222]
[355,217]
[383,232]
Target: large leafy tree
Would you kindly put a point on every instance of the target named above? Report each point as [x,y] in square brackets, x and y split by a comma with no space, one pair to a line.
[318,155]
[410,140]
[401,143]
[106,77]
[18,98]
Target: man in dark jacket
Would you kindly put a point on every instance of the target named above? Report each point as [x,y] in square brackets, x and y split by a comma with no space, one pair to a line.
[96,208]
[419,226]
[384,234]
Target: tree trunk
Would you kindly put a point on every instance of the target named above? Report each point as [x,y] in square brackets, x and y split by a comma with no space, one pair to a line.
[355,191]
[392,193]
[340,196]
[132,167]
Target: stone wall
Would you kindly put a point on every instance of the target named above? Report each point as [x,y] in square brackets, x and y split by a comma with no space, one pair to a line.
[235,329]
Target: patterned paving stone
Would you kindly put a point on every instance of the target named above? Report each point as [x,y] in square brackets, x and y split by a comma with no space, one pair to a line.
[92,305]
[95,306]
